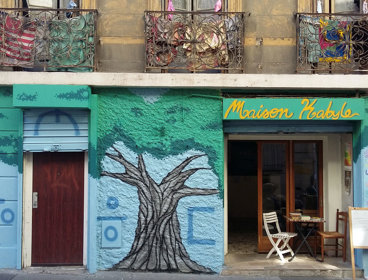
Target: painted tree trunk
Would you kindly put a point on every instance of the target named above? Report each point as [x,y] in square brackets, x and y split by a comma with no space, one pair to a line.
[158,245]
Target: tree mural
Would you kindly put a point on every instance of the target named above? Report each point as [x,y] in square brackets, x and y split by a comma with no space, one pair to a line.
[157,244]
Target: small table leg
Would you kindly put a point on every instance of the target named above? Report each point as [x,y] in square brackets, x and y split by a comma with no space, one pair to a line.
[303,240]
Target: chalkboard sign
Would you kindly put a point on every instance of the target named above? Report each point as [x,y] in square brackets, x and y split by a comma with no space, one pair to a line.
[358,224]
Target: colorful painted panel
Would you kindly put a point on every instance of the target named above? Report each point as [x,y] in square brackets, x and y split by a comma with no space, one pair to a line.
[161,155]
[51,96]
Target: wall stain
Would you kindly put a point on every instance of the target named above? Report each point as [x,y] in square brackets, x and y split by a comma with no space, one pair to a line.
[137,112]
[6,91]
[212,126]
[177,109]
[2,116]
[8,141]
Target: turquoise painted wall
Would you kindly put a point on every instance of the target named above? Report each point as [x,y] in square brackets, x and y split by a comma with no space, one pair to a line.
[10,181]
[161,171]
[51,96]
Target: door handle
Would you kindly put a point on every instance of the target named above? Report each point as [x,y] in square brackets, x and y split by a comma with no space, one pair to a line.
[35,200]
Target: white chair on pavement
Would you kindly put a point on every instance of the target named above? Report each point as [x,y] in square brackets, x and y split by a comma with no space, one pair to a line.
[270,221]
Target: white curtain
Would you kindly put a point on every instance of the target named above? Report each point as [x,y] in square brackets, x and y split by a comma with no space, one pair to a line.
[40,3]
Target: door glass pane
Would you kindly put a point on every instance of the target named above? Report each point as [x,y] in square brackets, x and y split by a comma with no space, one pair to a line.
[274,180]
[306,178]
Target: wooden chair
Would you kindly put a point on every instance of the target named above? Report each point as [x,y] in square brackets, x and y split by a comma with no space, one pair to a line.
[268,220]
[341,220]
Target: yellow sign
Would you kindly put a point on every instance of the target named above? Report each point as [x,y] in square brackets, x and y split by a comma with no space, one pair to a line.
[293,109]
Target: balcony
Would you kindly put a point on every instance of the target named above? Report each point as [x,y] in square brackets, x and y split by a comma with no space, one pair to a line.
[47,39]
[332,43]
[194,41]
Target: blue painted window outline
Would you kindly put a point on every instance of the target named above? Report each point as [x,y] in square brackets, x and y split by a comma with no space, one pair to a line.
[7,220]
[114,236]
[191,239]
[112,202]
[101,218]
[57,114]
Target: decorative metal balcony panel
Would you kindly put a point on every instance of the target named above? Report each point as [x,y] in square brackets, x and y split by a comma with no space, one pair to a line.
[194,41]
[332,43]
[48,39]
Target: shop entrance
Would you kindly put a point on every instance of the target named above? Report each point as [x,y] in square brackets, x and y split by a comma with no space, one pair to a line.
[263,176]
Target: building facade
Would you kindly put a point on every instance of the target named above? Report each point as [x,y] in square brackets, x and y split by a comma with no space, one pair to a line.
[116,154]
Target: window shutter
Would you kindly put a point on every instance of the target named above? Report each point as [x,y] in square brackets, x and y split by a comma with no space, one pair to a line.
[7,3]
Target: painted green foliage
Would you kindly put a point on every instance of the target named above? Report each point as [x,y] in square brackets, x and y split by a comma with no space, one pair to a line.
[174,122]
[10,138]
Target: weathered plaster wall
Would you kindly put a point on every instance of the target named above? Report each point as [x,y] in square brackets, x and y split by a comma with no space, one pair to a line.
[144,135]
[121,33]
[270,36]
[10,178]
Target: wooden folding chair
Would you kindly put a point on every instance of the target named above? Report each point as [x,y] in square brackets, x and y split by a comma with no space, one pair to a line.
[340,233]
[270,219]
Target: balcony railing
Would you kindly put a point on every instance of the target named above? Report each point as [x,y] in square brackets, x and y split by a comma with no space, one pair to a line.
[48,39]
[332,43]
[194,41]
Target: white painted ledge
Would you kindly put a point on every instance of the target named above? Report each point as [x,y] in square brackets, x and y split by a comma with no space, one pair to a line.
[167,80]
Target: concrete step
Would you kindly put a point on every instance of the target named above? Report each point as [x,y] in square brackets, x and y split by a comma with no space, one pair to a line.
[301,266]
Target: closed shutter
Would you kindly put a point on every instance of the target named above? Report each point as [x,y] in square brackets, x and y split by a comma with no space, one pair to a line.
[55,130]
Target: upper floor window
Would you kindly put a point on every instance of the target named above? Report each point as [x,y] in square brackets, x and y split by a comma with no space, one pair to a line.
[196,5]
[52,4]
[330,6]
[347,6]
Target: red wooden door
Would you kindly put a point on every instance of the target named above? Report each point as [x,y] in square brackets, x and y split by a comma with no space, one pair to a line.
[57,222]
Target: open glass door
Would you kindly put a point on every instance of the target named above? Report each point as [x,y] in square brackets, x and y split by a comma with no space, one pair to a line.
[307,178]
[289,179]
[272,185]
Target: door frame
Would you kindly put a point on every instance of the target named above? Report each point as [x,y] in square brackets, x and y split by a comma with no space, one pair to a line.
[273,137]
[27,209]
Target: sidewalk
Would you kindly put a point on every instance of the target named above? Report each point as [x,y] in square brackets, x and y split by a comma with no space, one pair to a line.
[73,273]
